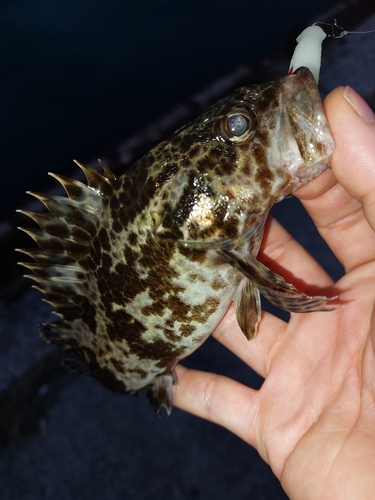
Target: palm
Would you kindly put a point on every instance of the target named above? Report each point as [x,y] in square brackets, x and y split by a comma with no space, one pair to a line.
[314,391]
[312,417]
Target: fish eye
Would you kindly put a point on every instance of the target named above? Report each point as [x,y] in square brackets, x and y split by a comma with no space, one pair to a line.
[237,125]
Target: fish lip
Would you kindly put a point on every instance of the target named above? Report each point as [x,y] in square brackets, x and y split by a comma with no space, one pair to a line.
[301,95]
[305,73]
[301,77]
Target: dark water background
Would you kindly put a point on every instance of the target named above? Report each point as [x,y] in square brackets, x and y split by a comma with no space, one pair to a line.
[76,75]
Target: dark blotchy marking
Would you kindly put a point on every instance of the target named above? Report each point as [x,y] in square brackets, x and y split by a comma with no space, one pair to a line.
[218,284]
[141,172]
[194,151]
[127,213]
[178,307]
[149,159]
[230,228]
[155,309]
[145,194]
[194,277]
[247,170]
[263,175]
[118,365]
[59,228]
[105,201]
[205,164]
[171,334]
[101,352]
[185,162]
[104,240]
[264,138]
[130,258]
[89,314]
[158,350]
[138,371]
[194,254]
[154,254]
[126,281]
[124,192]
[217,152]
[185,143]
[114,203]
[225,168]
[201,312]
[166,353]
[75,191]
[106,260]
[186,330]
[107,377]
[125,326]
[320,148]
[133,238]
[258,153]
[269,99]
[81,233]
[117,226]
[168,171]
[102,285]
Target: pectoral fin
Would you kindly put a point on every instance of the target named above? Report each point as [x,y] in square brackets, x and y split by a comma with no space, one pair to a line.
[248,309]
[274,288]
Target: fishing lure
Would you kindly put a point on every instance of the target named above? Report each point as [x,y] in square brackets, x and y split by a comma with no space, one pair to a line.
[308,51]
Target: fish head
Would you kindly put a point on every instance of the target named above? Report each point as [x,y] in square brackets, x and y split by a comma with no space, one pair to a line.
[245,153]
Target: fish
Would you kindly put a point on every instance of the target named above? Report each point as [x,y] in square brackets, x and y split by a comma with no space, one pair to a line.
[141,268]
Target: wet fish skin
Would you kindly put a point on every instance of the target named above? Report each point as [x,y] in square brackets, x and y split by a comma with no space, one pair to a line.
[142,268]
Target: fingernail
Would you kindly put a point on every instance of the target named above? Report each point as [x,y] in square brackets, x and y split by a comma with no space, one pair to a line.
[358,104]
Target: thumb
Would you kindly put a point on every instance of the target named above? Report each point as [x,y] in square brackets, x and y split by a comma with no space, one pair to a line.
[352,123]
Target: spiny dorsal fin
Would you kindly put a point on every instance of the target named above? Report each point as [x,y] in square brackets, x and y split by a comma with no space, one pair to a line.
[64,238]
[95,179]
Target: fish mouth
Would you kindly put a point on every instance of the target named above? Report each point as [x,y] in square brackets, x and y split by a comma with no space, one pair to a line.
[309,126]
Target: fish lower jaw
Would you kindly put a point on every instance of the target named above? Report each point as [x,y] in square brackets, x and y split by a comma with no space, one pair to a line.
[308,173]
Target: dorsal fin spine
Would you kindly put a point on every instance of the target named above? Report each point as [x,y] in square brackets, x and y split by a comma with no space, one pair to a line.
[64,237]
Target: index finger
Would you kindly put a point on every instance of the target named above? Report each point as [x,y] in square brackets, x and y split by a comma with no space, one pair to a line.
[341,201]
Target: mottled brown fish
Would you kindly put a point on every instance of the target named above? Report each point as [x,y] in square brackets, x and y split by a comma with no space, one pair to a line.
[142,268]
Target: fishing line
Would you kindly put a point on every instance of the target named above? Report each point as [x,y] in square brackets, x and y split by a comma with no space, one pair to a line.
[343,32]
[308,52]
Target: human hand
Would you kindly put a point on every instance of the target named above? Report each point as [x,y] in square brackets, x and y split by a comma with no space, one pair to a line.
[313,419]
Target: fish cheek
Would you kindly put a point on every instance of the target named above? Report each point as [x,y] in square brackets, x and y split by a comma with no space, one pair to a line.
[264,177]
